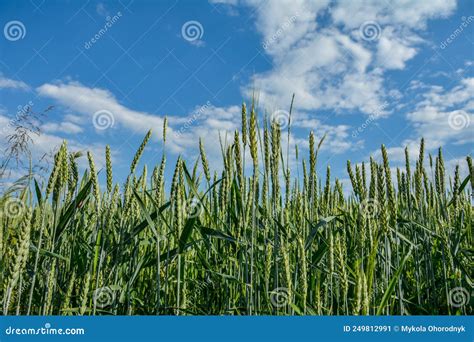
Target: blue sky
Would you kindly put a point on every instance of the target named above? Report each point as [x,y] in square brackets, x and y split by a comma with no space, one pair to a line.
[363,72]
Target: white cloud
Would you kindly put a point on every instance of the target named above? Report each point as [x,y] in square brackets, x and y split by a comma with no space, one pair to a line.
[335,78]
[334,68]
[66,127]
[272,16]
[212,124]
[101,9]
[87,101]
[76,119]
[442,127]
[446,116]
[409,13]
[442,116]
[6,83]
[393,52]
[224,2]
[438,96]
[183,131]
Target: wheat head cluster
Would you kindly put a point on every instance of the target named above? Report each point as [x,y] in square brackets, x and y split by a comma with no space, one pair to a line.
[258,239]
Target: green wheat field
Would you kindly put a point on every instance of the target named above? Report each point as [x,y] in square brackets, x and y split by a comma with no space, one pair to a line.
[258,239]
